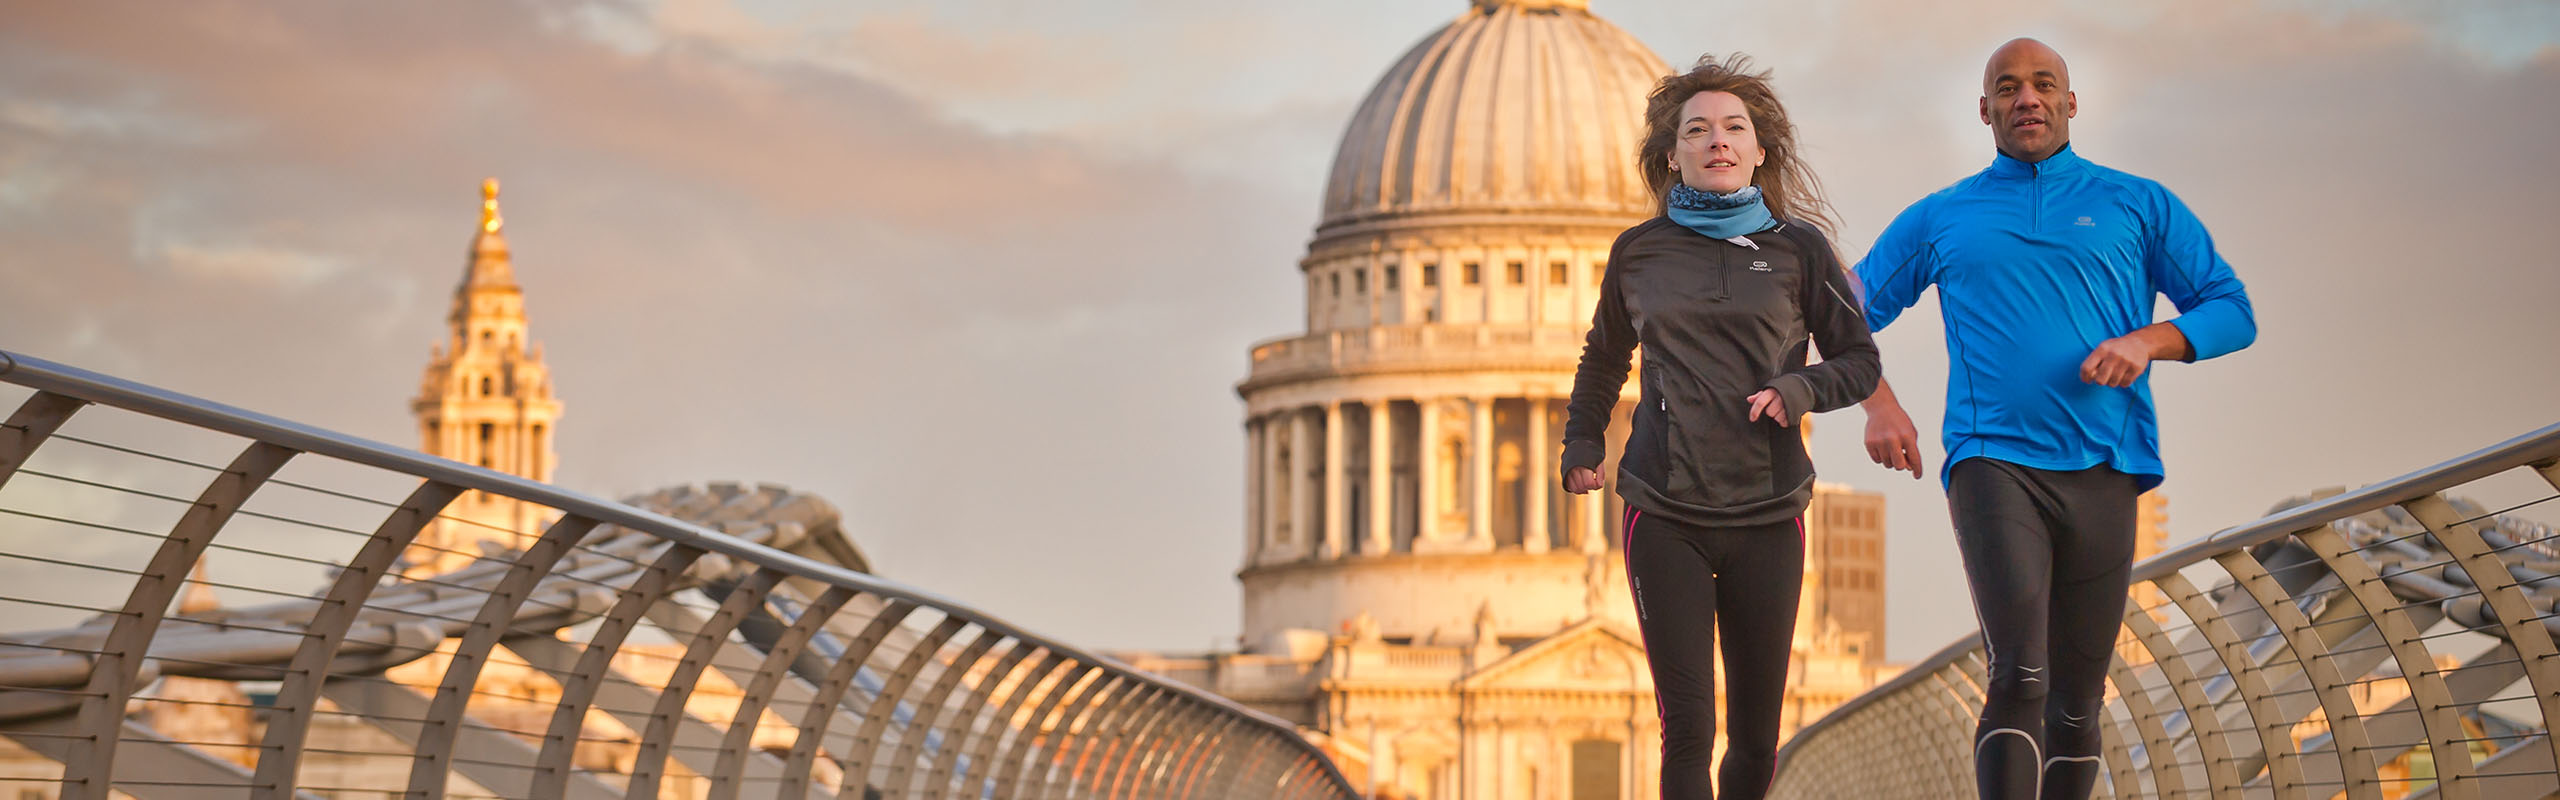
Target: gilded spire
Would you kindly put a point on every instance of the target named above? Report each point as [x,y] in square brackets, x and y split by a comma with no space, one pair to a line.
[490,222]
[489,260]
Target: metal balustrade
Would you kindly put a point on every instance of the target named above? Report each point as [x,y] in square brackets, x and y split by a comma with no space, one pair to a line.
[264,588]
[2390,642]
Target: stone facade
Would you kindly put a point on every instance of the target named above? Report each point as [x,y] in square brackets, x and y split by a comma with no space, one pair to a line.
[1419,591]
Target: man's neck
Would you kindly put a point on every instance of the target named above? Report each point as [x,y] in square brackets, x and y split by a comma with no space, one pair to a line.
[2034,159]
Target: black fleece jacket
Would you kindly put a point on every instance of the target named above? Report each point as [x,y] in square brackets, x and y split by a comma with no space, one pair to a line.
[1719,320]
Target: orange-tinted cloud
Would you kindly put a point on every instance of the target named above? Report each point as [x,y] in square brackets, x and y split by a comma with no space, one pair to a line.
[749,261]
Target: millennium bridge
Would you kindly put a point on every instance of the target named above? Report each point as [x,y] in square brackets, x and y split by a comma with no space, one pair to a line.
[2394,641]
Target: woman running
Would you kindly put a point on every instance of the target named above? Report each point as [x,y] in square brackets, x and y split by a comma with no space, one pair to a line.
[1724,291]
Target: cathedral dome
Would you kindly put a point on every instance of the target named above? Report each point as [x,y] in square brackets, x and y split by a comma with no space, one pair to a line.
[1518,107]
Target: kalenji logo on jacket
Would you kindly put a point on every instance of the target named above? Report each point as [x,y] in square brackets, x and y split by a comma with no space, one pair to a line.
[1759,266]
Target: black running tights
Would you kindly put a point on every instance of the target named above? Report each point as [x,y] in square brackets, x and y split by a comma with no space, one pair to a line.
[2048,554]
[1682,575]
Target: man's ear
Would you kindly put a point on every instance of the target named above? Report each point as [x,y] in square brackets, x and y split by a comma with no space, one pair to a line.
[2070,105]
[1983,105]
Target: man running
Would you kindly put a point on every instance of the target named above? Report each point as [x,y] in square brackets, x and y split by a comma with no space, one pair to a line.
[2046,267]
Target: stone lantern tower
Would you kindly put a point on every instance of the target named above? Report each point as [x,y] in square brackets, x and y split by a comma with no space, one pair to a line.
[486,400]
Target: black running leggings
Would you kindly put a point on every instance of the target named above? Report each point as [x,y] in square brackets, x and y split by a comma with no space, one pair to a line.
[1681,576]
[2047,554]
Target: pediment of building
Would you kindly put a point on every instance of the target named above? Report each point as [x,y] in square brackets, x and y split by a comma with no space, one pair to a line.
[1591,655]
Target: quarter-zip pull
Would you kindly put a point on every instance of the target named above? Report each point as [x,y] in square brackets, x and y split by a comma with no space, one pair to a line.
[2037,191]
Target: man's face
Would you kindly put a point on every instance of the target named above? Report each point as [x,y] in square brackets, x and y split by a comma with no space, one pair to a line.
[2027,100]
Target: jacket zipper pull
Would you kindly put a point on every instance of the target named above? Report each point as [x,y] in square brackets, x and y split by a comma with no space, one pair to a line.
[1663,403]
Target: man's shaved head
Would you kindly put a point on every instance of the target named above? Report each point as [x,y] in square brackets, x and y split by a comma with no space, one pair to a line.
[2024,53]
[2027,100]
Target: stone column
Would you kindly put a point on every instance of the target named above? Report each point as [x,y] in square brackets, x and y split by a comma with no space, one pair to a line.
[1426,472]
[1536,477]
[1376,289]
[1382,495]
[1377,757]
[1274,426]
[1315,300]
[1252,491]
[1534,283]
[1480,478]
[1336,529]
[1578,287]
[1595,520]
[1302,485]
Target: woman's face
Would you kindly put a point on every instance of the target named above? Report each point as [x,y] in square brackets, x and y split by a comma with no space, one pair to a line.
[1716,149]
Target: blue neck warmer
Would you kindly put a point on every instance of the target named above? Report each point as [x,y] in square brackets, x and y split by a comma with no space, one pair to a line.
[1720,216]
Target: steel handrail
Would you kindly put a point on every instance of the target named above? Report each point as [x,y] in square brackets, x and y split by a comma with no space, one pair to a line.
[49,376]
[2539,446]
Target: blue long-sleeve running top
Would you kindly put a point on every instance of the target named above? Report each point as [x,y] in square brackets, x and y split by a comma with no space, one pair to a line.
[2036,264]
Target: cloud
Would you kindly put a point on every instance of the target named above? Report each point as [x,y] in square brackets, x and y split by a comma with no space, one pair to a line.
[978,61]
[1006,344]
[279,268]
[114,120]
[741,267]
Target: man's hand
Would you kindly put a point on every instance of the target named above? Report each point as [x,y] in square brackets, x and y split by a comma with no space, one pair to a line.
[1581,479]
[1766,403]
[1891,439]
[2118,361]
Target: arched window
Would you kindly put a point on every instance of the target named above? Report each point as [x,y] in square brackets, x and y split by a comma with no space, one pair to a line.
[487,386]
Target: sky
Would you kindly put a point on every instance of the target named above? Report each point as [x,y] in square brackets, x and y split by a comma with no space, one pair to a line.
[984,273]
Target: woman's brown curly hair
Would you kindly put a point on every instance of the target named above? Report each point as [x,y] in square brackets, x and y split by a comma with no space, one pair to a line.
[1786,184]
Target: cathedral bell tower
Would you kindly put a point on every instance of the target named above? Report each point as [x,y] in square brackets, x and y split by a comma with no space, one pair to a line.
[486,401]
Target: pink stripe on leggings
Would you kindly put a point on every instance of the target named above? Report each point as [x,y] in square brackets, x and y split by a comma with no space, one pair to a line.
[1627,550]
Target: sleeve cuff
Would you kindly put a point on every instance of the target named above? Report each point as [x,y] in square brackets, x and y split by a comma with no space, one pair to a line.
[2214,332]
[1794,392]
[1580,453]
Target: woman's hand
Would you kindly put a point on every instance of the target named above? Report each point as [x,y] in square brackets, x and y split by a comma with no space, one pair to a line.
[1581,479]
[1767,403]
